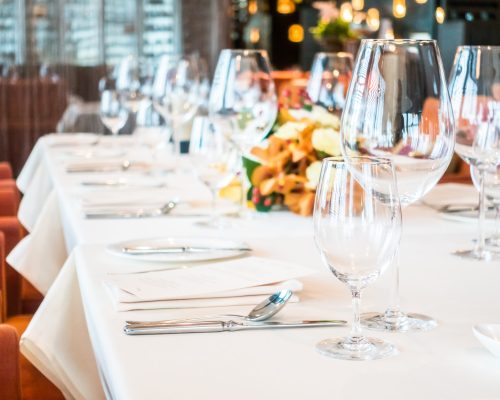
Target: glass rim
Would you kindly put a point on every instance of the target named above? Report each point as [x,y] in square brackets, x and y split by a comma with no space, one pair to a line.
[245,51]
[478,46]
[339,54]
[358,160]
[399,41]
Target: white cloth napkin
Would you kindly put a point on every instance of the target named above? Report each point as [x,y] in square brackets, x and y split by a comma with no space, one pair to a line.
[232,282]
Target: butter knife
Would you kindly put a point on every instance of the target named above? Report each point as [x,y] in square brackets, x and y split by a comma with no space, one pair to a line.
[224,326]
[141,250]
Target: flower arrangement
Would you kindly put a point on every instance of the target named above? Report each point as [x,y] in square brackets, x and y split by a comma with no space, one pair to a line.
[285,170]
[332,30]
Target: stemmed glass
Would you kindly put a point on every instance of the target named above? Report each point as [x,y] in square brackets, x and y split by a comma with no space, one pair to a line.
[215,161]
[242,101]
[129,84]
[357,229]
[475,94]
[113,113]
[329,79]
[398,107]
[492,194]
[176,94]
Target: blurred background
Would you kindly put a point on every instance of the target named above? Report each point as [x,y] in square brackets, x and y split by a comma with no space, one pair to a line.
[53,53]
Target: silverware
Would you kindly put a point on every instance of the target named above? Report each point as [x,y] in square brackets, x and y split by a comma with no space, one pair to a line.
[117,183]
[262,311]
[141,250]
[124,166]
[225,326]
[138,213]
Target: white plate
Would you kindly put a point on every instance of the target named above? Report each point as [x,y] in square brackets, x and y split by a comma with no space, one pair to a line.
[468,216]
[489,336]
[117,249]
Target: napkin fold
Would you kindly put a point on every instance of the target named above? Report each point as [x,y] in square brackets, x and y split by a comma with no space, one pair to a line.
[232,282]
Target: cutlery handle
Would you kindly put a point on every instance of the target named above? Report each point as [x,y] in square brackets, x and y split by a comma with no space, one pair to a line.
[185,327]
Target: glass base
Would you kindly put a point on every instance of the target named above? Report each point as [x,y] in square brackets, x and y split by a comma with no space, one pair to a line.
[493,243]
[215,223]
[358,349]
[397,321]
[480,255]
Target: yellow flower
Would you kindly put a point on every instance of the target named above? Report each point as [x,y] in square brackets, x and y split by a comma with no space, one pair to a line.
[290,130]
[312,174]
[324,118]
[326,140]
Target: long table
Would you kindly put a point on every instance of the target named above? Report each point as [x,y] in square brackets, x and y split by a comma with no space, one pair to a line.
[76,337]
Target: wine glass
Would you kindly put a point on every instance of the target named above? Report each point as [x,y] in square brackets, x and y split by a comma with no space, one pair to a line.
[113,113]
[492,194]
[329,79]
[176,94]
[242,101]
[215,161]
[357,229]
[129,83]
[475,94]
[398,107]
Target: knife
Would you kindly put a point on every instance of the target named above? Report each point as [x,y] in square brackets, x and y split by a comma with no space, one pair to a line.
[141,250]
[224,326]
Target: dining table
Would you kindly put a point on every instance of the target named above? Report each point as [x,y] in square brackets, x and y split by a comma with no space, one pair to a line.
[76,337]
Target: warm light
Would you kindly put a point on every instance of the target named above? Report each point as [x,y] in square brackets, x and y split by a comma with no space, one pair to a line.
[252,6]
[373,19]
[420,1]
[254,35]
[358,5]
[358,18]
[296,33]
[399,8]
[285,6]
[346,12]
[440,15]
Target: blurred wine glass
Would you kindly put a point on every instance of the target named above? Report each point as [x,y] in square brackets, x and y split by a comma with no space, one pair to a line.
[176,94]
[398,107]
[243,103]
[113,113]
[329,80]
[492,194]
[475,95]
[357,229]
[215,161]
[129,83]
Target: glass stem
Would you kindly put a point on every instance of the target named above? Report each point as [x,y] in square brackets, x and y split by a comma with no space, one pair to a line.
[356,322]
[496,236]
[394,307]
[481,239]
[176,137]
[214,205]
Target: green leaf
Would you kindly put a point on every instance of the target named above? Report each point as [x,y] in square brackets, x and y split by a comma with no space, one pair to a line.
[250,165]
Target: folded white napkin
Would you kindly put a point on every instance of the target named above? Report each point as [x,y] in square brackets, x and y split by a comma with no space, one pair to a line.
[107,165]
[230,282]
[72,139]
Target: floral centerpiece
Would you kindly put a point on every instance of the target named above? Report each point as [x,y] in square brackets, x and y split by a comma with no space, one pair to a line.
[332,31]
[285,169]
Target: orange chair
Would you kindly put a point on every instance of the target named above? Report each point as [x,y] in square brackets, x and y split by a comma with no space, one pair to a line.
[10,380]
[33,384]
[6,170]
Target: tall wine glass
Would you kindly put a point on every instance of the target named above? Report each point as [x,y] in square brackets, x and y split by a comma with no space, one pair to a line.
[357,229]
[475,94]
[129,83]
[398,107]
[113,112]
[329,80]
[492,194]
[242,101]
[215,161]
[176,94]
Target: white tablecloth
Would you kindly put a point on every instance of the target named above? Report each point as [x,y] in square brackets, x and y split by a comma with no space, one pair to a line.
[76,324]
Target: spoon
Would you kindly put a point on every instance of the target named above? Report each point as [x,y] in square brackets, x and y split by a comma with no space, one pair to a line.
[262,311]
[139,213]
